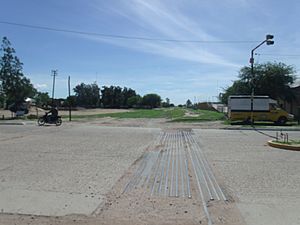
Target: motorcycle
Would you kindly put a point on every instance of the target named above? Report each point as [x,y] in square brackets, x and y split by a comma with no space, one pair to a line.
[50,120]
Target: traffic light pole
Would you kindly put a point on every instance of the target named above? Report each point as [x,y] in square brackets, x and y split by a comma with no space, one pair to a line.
[252,80]
[269,42]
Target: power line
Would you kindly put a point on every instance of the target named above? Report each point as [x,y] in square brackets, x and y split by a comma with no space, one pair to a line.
[120,36]
[289,55]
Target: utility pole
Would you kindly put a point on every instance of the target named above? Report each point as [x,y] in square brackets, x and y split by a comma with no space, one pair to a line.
[69,87]
[268,41]
[54,74]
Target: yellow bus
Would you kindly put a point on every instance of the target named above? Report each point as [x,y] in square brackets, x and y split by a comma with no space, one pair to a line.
[264,109]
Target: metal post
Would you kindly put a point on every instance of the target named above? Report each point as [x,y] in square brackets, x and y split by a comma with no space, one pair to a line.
[70,118]
[252,85]
[54,74]
[269,42]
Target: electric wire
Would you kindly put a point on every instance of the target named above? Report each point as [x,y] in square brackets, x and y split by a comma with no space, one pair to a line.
[116,36]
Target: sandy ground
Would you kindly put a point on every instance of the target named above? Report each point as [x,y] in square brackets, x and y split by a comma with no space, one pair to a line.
[39,112]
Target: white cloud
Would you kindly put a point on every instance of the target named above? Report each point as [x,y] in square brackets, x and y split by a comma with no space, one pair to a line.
[41,86]
[165,19]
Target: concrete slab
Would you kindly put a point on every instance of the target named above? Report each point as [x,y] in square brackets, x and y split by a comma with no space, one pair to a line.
[47,203]
[263,181]
[270,211]
[54,171]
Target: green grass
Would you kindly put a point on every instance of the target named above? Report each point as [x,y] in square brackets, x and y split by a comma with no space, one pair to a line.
[172,114]
[290,142]
[138,113]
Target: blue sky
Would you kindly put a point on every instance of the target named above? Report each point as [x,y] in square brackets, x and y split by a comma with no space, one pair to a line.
[177,70]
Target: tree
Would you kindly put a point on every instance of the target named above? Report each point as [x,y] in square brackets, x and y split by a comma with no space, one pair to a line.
[166,104]
[127,93]
[189,103]
[87,95]
[107,96]
[71,101]
[134,101]
[272,79]
[238,88]
[42,99]
[151,100]
[116,97]
[15,87]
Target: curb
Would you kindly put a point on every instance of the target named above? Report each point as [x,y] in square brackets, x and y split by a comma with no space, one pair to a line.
[12,123]
[262,128]
[284,146]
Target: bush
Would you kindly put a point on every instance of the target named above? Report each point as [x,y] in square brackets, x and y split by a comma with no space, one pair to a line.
[32,117]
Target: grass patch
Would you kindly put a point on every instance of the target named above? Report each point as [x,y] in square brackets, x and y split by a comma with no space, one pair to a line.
[291,142]
[173,114]
[201,116]
[138,113]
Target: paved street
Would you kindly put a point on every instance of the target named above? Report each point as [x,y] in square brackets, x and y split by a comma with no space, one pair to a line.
[57,171]
[64,170]
[264,181]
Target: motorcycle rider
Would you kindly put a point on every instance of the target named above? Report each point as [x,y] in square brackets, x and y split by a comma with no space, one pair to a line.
[53,114]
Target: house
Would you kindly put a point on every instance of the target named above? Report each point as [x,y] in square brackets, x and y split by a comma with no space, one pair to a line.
[293,107]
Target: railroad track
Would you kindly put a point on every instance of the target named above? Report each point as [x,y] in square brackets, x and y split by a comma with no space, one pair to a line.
[167,170]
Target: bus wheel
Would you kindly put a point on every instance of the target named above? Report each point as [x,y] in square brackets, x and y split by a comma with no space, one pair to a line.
[247,121]
[282,120]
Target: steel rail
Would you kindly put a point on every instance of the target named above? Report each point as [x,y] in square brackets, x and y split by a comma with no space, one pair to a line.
[211,173]
[168,167]
[163,140]
[158,139]
[156,143]
[182,153]
[176,165]
[156,173]
[209,221]
[147,182]
[204,166]
[172,171]
[186,165]
[165,155]
[140,171]
[198,165]
[135,175]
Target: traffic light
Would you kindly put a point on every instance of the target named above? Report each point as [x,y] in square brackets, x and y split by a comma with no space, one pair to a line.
[269,38]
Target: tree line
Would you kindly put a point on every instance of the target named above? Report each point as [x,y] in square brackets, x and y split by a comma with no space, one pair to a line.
[91,96]
[272,79]
[15,87]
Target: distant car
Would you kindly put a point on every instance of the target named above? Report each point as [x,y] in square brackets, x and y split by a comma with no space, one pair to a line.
[19,109]
[20,113]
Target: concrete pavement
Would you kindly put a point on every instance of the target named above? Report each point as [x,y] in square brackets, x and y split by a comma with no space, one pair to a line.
[64,170]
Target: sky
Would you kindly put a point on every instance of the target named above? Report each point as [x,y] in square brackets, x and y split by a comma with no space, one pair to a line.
[179,49]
